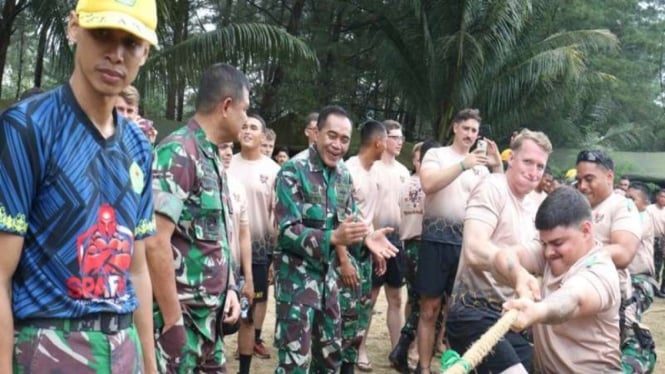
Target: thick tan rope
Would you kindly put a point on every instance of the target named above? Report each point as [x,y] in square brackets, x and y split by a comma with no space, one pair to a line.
[484,345]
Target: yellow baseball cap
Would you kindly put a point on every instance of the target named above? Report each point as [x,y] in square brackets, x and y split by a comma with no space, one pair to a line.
[571,173]
[505,155]
[138,17]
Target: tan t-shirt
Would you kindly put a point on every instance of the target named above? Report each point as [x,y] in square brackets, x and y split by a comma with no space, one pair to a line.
[390,178]
[512,223]
[411,203]
[240,217]
[616,213]
[643,261]
[582,345]
[533,200]
[658,218]
[258,178]
[449,202]
[365,189]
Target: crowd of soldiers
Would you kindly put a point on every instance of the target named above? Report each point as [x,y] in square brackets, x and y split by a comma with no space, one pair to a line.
[124,257]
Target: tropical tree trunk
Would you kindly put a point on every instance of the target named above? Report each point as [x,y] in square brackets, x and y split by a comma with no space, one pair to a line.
[10,10]
[41,51]
[269,102]
[21,52]
[175,79]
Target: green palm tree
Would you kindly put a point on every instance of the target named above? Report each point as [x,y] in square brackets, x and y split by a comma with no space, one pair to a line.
[192,39]
[447,55]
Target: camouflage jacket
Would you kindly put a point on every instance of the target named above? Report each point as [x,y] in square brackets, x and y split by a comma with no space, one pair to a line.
[190,188]
[311,200]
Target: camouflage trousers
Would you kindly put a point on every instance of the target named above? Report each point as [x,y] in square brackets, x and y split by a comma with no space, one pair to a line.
[39,350]
[301,329]
[638,350]
[356,308]
[412,247]
[184,349]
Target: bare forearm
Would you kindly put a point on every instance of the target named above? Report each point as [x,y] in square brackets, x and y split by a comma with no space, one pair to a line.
[246,254]
[621,256]
[558,307]
[143,318]
[433,181]
[506,267]
[342,253]
[6,324]
[162,275]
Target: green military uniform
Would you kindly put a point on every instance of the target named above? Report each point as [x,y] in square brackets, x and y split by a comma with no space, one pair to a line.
[311,200]
[356,305]
[191,189]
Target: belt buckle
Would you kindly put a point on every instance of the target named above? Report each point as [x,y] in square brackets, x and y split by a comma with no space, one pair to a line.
[109,324]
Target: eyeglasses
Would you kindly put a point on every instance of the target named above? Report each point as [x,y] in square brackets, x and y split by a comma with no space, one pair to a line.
[397,138]
[597,157]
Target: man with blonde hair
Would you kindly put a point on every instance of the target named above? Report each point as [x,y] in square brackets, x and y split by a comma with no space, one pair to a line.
[127,104]
[495,216]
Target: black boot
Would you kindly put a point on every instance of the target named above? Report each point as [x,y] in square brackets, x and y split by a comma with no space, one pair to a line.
[347,368]
[399,357]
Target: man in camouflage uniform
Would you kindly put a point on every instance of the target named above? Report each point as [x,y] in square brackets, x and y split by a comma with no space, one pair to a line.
[315,212]
[355,265]
[638,353]
[190,257]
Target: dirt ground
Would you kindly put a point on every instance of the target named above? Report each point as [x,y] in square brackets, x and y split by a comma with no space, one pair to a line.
[379,342]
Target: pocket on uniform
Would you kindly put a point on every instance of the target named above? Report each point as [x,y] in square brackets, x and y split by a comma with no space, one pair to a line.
[293,331]
[171,346]
[206,226]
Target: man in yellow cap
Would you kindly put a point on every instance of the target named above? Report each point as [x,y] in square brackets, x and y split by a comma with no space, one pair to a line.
[75,207]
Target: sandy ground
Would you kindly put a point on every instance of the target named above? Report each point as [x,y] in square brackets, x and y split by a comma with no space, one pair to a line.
[379,342]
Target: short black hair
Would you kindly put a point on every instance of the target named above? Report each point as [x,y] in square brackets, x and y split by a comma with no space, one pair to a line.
[370,130]
[427,145]
[624,177]
[217,83]
[565,206]
[597,157]
[257,117]
[643,189]
[284,149]
[327,111]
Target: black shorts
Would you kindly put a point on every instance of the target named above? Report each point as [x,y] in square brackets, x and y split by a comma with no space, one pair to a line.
[513,349]
[436,269]
[395,269]
[260,275]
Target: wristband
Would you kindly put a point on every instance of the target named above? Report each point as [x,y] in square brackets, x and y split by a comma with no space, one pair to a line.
[461,165]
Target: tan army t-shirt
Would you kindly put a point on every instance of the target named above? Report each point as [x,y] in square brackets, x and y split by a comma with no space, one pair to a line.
[240,217]
[411,203]
[658,218]
[616,213]
[449,202]
[512,223]
[258,178]
[643,261]
[366,190]
[583,345]
[391,178]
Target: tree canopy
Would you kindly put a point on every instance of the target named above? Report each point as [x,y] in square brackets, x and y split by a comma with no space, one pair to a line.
[589,73]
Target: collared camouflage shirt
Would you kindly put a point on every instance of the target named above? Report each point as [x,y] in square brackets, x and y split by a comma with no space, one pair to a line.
[190,188]
[311,200]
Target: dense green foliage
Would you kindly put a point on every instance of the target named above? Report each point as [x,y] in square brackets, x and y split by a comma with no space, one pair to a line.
[588,72]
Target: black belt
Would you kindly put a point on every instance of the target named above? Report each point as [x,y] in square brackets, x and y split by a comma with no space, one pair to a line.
[108,323]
